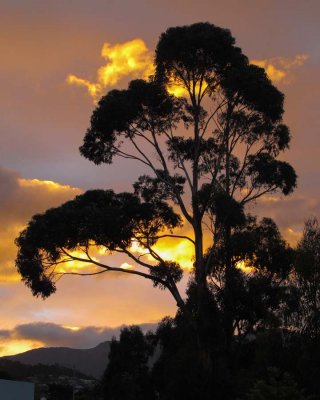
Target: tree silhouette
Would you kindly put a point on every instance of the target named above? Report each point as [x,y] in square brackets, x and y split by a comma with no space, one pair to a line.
[127,375]
[253,298]
[278,386]
[305,306]
[210,152]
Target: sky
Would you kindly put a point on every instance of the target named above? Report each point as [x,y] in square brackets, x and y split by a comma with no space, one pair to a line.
[56,58]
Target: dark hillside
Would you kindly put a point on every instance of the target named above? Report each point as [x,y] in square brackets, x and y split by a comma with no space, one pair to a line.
[91,362]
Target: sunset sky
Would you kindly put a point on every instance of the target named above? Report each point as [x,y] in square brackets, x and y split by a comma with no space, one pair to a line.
[56,59]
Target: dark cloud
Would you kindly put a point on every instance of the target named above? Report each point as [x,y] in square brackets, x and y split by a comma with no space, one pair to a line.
[55,335]
[290,213]
[5,334]
[8,184]
[21,198]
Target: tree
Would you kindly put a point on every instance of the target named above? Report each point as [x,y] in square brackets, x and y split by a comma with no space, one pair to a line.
[210,152]
[254,297]
[127,375]
[278,386]
[180,371]
[305,307]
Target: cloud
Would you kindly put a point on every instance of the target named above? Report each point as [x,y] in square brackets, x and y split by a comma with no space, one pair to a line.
[289,213]
[279,69]
[130,58]
[39,334]
[133,59]
[5,333]
[19,199]
[178,250]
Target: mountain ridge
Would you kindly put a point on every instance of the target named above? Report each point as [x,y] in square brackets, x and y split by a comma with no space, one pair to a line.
[91,362]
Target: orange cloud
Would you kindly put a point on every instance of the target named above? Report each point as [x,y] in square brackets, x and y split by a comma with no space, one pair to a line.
[20,199]
[279,68]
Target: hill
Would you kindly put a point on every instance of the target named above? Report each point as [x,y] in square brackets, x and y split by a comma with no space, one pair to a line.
[91,362]
[15,370]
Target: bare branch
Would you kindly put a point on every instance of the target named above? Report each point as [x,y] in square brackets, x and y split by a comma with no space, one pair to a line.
[81,274]
[204,129]
[117,269]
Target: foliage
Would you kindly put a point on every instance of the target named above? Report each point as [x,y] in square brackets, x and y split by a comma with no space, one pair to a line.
[127,374]
[307,281]
[277,387]
[251,293]
[98,217]
[19,371]
[61,392]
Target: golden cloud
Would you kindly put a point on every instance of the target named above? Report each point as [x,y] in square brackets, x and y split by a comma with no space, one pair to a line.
[124,59]
[39,195]
[178,250]
[279,69]
[133,59]
[130,59]
[20,199]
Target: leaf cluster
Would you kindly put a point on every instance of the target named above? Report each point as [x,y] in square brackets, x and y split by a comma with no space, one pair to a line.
[98,217]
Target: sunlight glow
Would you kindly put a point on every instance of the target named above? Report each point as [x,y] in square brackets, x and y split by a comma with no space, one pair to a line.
[72,328]
[8,273]
[136,248]
[12,346]
[75,265]
[178,250]
[125,265]
[247,269]
[176,89]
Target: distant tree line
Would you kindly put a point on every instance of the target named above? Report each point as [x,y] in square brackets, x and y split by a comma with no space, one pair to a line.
[275,349]
[16,370]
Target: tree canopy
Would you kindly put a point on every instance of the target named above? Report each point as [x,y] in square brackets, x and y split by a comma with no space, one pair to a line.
[209,152]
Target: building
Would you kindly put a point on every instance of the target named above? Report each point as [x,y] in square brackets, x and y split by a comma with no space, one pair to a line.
[16,390]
